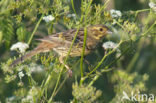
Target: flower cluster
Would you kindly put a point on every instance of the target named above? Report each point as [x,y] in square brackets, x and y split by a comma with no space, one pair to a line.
[48,18]
[85,93]
[34,68]
[71,15]
[21,46]
[152,6]
[10,99]
[115,13]
[109,45]
[20,74]
[32,93]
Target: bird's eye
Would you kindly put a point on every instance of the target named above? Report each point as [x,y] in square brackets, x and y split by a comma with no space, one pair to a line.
[101,29]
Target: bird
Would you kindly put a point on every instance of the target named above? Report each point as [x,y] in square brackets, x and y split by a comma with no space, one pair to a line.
[61,42]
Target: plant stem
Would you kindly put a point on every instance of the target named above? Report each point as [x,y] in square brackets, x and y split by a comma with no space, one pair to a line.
[72,2]
[82,55]
[59,77]
[103,59]
[61,85]
[102,9]
[136,56]
[149,29]
[54,91]
[108,66]
[138,11]
[37,25]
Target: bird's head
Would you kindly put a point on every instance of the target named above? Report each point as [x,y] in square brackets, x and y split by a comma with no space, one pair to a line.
[98,31]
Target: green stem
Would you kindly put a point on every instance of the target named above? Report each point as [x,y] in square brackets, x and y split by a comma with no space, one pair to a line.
[133,61]
[83,51]
[61,85]
[129,48]
[119,24]
[106,3]
[138,11]
[149,29]
[86,12]
[136,56]
[102,8]
[108,66]
[72,44]
[37,25]
[103,59]
[44,87]
[72,2]
[59,77]
[54,91]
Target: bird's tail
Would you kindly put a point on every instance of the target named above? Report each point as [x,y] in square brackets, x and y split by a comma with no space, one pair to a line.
[43,47]
[24,57]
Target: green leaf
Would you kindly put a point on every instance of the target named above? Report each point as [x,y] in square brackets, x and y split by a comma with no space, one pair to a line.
[22,34]
[7,28]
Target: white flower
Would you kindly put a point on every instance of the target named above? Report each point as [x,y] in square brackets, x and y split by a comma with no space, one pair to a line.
[71,15]
[35,68]
[20,74]
[28,99]
[10,99]
[109,45]
[115,13]
[33,92]
[112,45]
[152,6]
[21,46]
[48,18]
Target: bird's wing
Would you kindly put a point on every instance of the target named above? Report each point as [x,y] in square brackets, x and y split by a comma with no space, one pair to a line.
[65,37]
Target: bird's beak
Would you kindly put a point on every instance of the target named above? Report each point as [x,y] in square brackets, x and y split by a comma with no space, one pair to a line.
[109,32]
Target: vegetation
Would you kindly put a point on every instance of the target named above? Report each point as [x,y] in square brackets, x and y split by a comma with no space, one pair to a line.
[125,65]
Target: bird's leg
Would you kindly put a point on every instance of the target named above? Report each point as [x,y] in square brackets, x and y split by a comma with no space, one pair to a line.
[67,67]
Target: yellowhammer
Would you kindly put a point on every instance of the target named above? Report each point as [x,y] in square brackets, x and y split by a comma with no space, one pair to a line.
[61,42]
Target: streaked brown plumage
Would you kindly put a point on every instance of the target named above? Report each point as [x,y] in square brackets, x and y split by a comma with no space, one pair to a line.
[61,42]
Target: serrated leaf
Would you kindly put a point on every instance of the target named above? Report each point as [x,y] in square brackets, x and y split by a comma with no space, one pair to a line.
[7,28]
[22,34]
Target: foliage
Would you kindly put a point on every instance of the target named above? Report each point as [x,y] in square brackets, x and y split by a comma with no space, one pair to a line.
[44,79]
